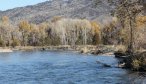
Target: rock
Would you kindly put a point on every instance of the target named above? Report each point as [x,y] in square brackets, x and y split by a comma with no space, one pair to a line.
[6,50]
[97,52]
[120,54]
[84,50]
[121,65]
[106,65]
[43,49]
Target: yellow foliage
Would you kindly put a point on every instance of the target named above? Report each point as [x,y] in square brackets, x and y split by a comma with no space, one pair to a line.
[141,21]
[95,27]
[24,26]
[96,33]
[34,28]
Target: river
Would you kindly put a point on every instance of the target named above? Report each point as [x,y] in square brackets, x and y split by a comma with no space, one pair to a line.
[57,67]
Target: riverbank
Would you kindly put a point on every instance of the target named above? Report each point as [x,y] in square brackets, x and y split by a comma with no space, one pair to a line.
[5,50]
[88,49]
[133,61]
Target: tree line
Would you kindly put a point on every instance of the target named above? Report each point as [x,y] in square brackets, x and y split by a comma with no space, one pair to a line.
[58,31]
[66,31]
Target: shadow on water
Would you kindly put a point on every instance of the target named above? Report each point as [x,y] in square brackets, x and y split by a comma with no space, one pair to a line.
[137,77]
[55,67]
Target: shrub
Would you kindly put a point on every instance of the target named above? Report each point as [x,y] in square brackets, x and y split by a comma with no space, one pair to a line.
[15,42]
[136,64]
[2,44]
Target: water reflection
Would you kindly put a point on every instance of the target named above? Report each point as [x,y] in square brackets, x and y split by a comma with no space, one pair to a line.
[5,56]
[137,77]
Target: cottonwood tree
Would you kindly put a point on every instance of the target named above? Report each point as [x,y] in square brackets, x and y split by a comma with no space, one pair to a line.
[24,28]
[33,38]
[127,11]
[5,31]
[140,32]
[72,30]
[48,36]
[16,37]
[96,33]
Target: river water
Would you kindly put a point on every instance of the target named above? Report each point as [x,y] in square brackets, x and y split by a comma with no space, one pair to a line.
[57,67]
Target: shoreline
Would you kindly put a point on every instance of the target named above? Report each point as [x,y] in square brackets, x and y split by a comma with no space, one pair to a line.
[5,50]
[103,50]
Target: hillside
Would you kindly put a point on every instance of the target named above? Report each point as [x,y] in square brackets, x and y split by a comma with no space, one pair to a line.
[67,8]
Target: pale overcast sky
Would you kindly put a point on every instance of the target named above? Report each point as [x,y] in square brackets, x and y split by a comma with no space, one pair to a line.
[9,4]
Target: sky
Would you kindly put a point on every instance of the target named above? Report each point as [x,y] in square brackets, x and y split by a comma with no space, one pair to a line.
[9,4]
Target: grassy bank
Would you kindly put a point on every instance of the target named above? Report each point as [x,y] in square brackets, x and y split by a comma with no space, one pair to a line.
[96,50]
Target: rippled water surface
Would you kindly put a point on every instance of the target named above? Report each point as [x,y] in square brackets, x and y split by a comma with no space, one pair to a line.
[55,67]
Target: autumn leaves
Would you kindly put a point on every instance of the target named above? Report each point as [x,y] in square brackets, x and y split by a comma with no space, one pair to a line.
[58,31]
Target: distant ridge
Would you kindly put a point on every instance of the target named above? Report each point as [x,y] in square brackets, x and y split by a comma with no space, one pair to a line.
[67,8]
